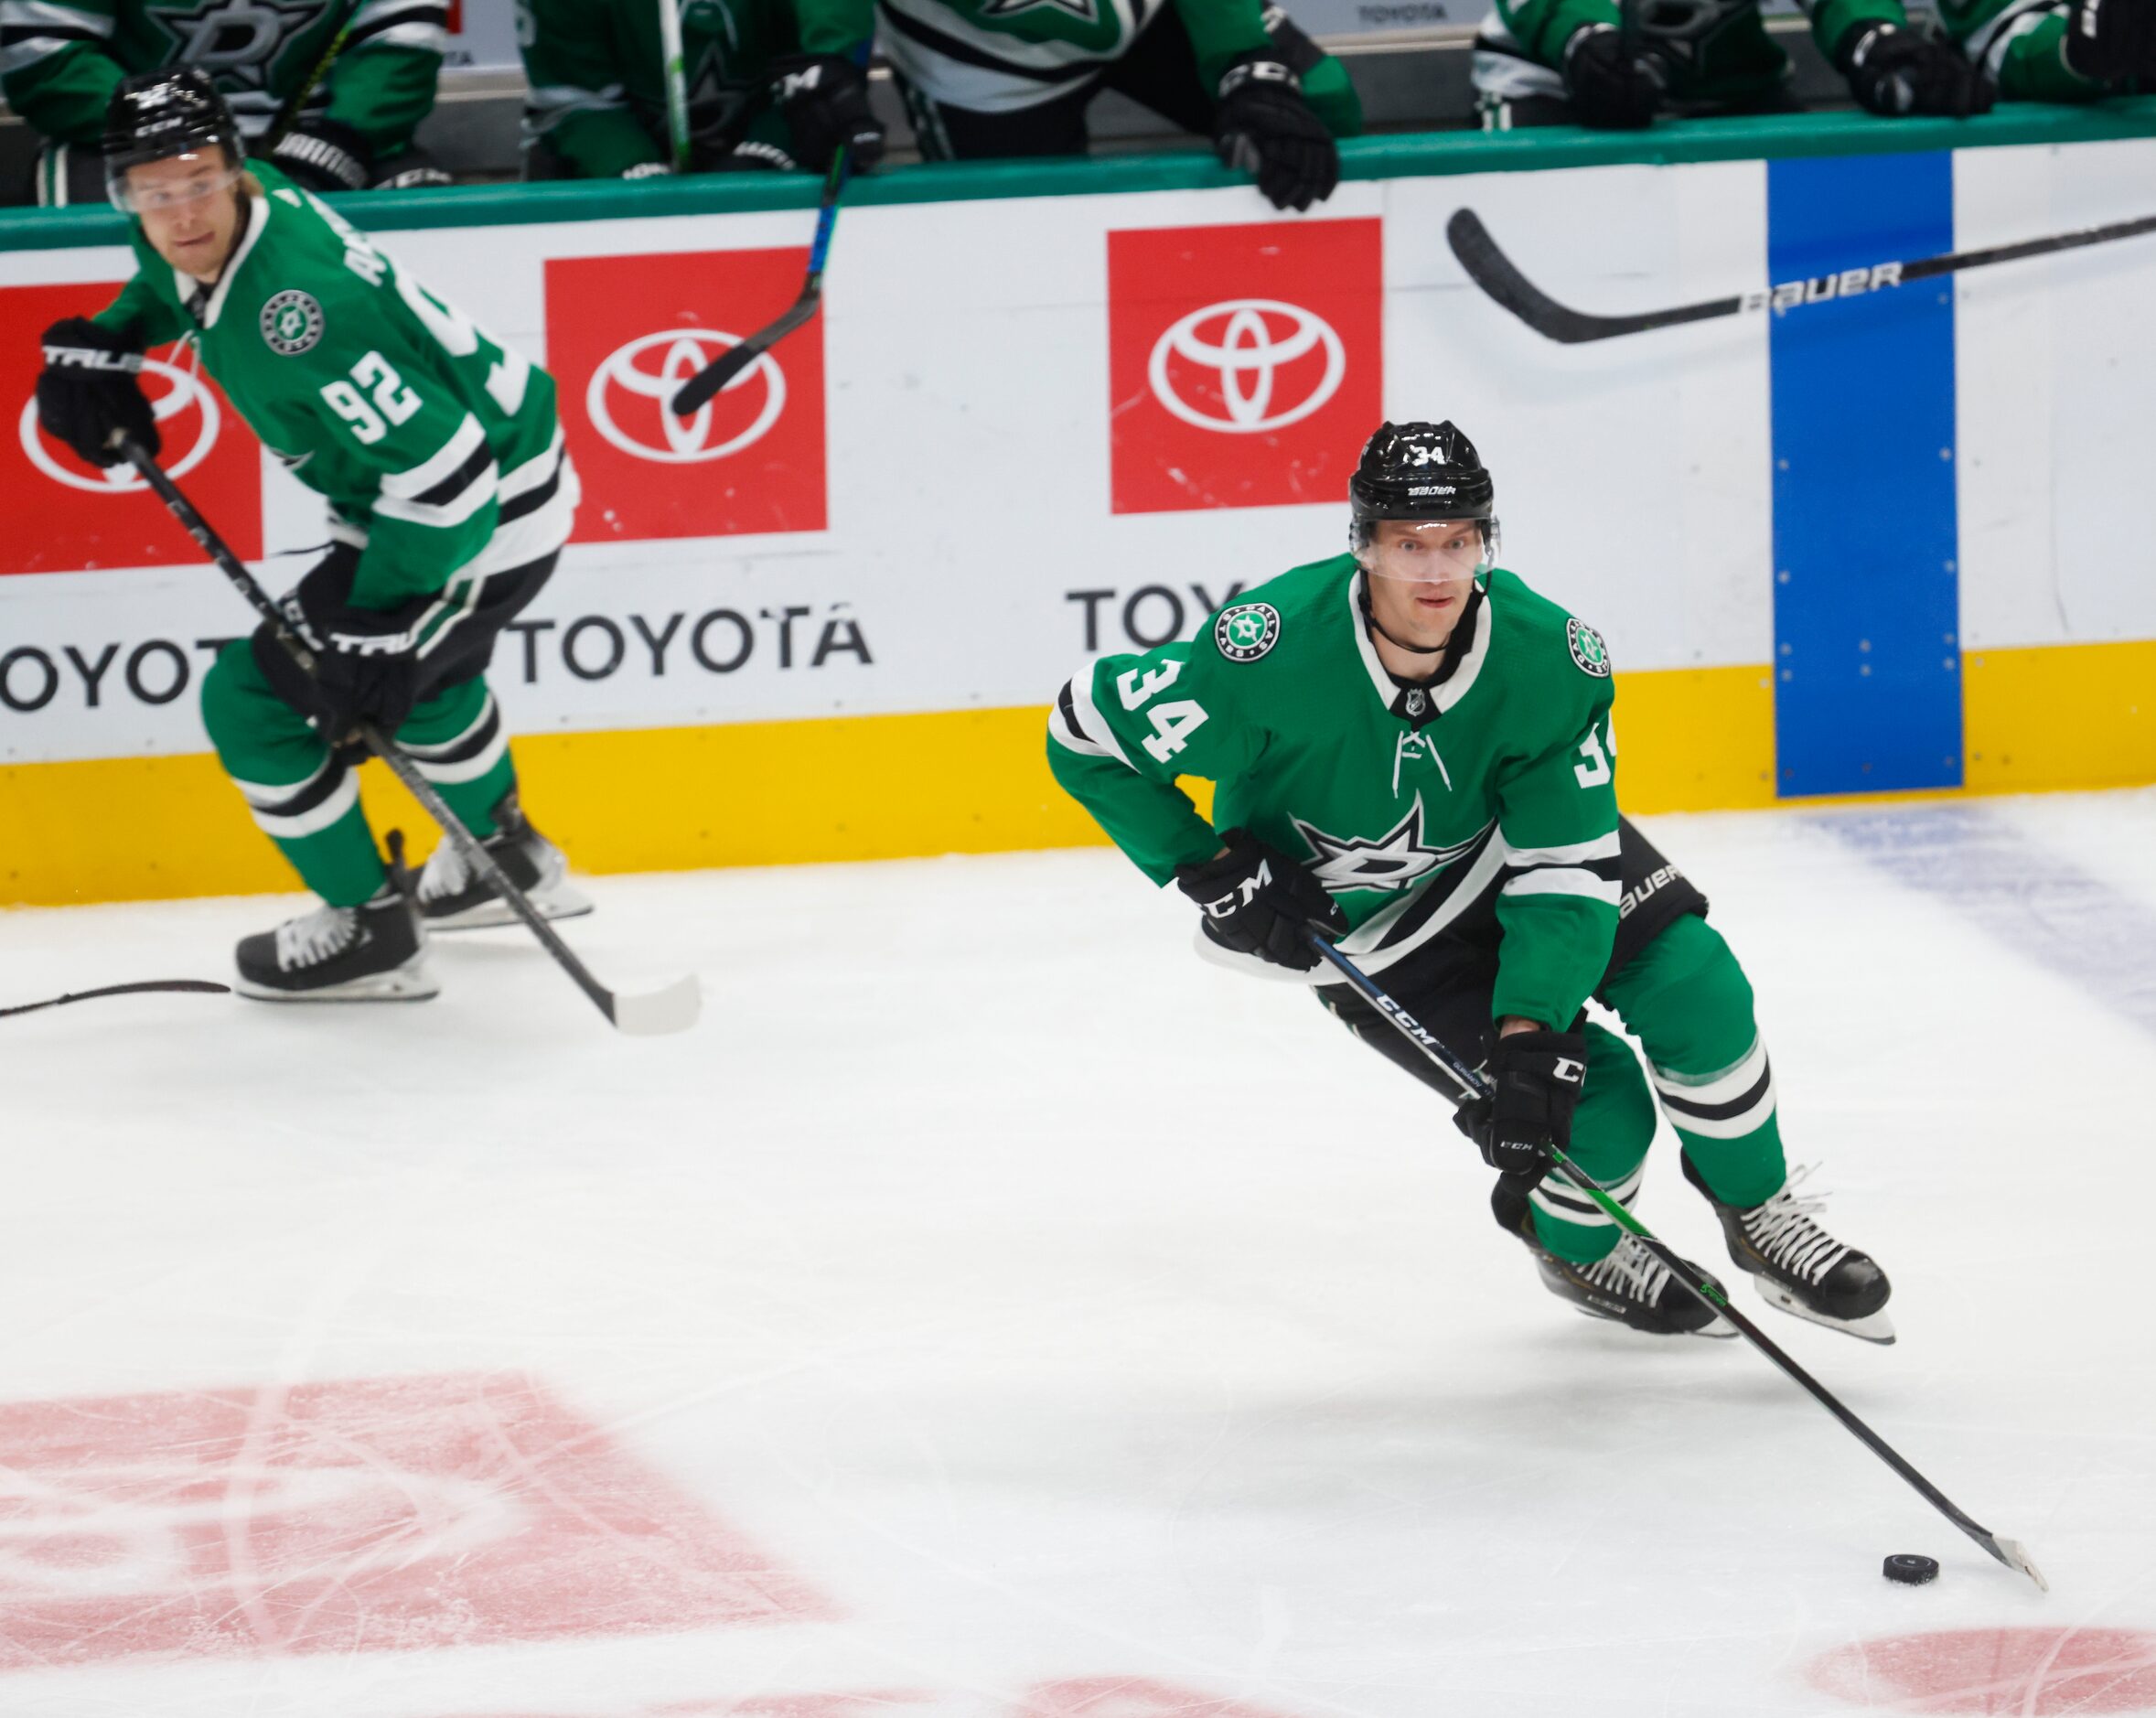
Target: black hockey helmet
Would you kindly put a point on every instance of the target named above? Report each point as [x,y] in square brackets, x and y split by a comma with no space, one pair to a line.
[1420,472]
[155,115]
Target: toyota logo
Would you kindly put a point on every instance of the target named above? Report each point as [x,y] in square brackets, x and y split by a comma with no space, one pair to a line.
[183,389]
[1248,342]
[678,441]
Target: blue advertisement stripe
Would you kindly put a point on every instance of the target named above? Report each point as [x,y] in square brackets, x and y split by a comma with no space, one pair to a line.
[1867,682]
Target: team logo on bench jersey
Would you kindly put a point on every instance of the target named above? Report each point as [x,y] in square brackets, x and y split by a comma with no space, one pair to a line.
[292,322]
[1247,631]
[1588,650]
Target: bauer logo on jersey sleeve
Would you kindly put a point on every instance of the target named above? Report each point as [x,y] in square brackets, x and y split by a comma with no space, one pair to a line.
[1246,363]
[292,322]
[1588,650]
[1247,631]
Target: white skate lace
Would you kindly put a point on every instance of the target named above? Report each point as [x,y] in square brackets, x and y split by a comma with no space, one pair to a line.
[445,875]
[1629,1269]
[1785,1235]
[315,937]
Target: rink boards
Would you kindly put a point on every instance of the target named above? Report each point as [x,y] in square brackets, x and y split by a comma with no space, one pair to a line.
[1889,543]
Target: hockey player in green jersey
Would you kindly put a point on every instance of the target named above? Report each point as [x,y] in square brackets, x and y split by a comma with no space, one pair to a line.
[2058,51]
[770,83]
[1617,63]
[60,61]
[1412,751]
[449,495]
[993,78]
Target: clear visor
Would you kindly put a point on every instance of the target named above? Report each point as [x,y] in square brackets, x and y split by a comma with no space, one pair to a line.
[174,183]
[1422,550]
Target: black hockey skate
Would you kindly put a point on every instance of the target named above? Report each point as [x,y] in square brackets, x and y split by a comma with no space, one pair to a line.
[1629,1285]
[373,953]
[453,897]
[1799,1267]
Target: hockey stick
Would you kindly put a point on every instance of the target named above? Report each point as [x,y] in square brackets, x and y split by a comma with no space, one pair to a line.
[721,370]
[677,82]
[200,986]
[287,116]
[1500,276]
[1474,1085]
[672,1007]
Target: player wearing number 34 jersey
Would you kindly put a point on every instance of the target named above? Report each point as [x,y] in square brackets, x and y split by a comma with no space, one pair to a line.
[1411,752]
[450,497]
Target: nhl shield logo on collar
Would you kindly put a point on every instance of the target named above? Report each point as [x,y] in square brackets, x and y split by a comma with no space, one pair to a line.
[1247,631]
[292,322]
[1588,650]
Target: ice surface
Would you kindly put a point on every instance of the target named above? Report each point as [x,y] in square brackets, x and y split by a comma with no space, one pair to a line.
[991,1311]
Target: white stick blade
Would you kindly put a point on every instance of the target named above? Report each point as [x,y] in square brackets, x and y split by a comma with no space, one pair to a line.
[655,1013]
[2016,1556]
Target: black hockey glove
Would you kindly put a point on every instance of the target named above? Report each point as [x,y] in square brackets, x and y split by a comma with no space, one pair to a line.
[325,156]
[825,98]
[1611,87]
[1535,1080]
[1894,72]
[367,665]
[1263,127]
[91,390]
[2111,42]
[1259,901]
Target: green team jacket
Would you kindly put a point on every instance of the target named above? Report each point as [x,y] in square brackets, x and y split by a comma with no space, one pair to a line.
[597,79]
[1423,810]
[1726,57]
[435,446]
[61,59]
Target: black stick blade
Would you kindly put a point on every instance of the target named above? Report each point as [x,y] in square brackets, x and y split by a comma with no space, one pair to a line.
[1490,269]
[197,986]
[706,382]
[713,376]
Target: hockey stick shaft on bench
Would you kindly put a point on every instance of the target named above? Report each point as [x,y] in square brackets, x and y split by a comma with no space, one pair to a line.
[707,381]
[1500,277]
[669,1009]
[1474,1085]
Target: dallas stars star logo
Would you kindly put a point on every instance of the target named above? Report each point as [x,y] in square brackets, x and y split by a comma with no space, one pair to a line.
[237,42]
[1395,860]
[1084,11]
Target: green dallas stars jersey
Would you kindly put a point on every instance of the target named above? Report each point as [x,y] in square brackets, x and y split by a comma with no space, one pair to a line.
[597,77]
[1726,59]
[436,448]
[957,50]
[61,59]
[1482,805]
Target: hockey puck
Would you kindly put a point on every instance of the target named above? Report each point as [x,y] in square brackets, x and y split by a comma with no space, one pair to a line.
[1911,1570]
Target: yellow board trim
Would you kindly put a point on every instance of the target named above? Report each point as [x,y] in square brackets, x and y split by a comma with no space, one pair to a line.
[975,781]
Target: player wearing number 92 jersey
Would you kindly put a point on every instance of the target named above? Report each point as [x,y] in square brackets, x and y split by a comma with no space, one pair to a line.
[1411,752]
[450,497]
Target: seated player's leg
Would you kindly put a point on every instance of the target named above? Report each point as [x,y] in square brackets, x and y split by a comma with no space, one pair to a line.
[944,131]
[1582,1257]
[1689,1003]
[364,944]
[458,743]
[2030,61]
